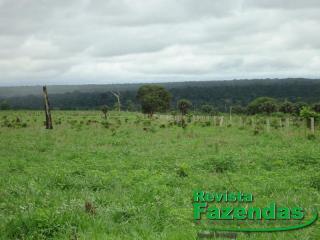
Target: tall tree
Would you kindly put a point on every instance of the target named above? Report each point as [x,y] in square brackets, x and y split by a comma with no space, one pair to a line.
[153,98]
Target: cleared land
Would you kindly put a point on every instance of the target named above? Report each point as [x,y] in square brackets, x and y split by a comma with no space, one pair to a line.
[132,178]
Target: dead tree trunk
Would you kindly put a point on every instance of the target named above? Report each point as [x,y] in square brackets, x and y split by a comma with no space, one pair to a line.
[47,108]
[117,95]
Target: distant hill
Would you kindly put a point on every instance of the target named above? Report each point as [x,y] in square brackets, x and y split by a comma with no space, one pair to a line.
[58,89]
[219,93]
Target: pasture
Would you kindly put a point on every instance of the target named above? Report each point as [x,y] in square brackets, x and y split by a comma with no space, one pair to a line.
[129,177]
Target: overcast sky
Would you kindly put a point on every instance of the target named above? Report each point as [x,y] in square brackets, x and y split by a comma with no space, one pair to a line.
[120,41]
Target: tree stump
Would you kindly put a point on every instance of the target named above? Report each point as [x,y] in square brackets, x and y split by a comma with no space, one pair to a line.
[47,109]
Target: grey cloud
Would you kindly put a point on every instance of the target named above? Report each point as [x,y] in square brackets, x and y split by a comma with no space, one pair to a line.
[141,12]
[283,4]
[101,41]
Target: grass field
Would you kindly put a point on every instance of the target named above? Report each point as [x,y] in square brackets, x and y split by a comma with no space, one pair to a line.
[132,178]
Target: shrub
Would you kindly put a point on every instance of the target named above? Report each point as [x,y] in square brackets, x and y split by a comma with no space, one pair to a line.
[182,170]
[182,123]
[315,182]
[184,106]
[4,105]
[311,136]
[104,110]
[238,109]
[207,109]
[189,117]
[40,224]
[105,124]
[262,105]
[297,107]
[307,113]
[286,107]
[316,107]
[222,164]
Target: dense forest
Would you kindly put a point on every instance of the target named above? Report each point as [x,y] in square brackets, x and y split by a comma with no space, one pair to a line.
[220,94]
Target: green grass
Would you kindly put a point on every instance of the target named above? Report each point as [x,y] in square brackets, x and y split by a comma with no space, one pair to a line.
[133,178]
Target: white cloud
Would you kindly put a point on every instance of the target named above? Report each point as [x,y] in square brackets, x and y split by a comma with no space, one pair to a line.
[104,41]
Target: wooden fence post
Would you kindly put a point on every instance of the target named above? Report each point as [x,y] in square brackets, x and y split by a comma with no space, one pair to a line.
[287,123]
[221,121]
[268,125]
[312,125]
[47,109]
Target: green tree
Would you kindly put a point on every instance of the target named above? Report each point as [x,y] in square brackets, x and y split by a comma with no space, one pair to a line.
[286,107]
[153,98]
[297,107]
[307,113]
[104,110]
[184,106]
[4,105]
[130,105]
[263,105]
[238,109]
[316,107]
[207,109]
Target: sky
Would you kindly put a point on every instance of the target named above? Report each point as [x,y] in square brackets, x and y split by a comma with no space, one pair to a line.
[126,41]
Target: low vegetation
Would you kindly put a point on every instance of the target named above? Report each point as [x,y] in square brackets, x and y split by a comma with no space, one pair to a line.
[128,176]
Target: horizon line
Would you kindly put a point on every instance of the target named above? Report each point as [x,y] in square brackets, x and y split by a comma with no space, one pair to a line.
[161,82]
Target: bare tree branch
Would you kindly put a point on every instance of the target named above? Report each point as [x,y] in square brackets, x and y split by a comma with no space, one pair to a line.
[117,95]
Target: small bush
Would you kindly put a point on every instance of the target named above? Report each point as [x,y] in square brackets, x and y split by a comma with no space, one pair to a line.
[222,164]
[311,136]
[147,122]
[182,123]
[189,117]
[256,131]
[106,124]
[182,171]
[121,216]
[206,124]
[40,224]
[315,182]
[90,208]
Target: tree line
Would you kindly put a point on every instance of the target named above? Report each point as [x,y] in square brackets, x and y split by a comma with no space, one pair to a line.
[157,99]
[241,96]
